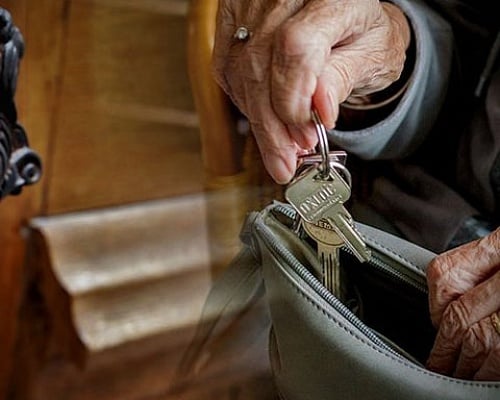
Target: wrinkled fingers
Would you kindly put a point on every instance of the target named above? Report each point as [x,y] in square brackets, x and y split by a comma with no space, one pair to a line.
[480,353]
[466,331]
[302,47]
[457,271]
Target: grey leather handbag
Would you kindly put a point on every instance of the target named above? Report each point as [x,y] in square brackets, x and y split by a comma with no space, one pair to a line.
[371,346]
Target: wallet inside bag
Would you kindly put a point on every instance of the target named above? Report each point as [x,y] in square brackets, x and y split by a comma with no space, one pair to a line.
[371,345]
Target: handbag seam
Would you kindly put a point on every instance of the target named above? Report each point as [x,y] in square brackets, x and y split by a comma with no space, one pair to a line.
[310,300]
[397,255]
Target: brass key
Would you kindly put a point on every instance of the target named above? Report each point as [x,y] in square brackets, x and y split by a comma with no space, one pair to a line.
[328,246]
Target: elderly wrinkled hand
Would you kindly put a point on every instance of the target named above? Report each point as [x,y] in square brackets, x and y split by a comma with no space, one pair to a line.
[301,54]
[464,295]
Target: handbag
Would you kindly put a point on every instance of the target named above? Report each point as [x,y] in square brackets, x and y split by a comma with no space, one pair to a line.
[372,345]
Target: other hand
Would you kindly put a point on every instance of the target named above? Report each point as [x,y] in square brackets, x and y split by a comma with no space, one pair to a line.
[464,295]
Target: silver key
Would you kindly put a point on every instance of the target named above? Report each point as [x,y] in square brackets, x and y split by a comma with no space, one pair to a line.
[342,222]
[311,195]
[328,243]
[316,197]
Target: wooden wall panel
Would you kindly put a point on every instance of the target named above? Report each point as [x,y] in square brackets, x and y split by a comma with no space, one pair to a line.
[126,129]
[107,161]
[41,22]
[121,54]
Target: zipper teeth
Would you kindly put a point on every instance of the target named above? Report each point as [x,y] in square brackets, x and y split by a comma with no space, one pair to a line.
[286,211]
[300,269]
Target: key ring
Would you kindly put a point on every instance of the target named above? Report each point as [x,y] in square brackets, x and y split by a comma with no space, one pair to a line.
[322,144]
[336,161]
[341,167]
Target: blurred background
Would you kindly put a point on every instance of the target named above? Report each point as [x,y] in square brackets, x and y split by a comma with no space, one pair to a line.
[106,262]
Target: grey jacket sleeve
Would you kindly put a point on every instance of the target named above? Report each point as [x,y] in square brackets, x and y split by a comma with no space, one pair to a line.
[407,126]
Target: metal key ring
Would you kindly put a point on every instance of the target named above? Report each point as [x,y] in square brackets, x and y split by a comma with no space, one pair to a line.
[341,167]
[322,144]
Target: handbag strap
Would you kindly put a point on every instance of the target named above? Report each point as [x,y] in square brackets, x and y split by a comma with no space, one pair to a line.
[238,287]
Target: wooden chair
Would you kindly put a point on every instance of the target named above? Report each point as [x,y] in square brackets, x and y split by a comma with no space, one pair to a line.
[234,173]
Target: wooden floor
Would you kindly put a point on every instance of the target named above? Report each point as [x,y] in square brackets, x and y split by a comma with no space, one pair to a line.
[234,366]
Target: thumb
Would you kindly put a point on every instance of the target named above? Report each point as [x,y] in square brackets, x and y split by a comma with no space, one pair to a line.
[278,150]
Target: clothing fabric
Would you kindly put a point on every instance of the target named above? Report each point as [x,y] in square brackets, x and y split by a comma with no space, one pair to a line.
[441,142]
[406,127]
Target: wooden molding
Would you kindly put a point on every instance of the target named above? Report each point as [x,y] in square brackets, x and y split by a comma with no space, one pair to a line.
[128,272]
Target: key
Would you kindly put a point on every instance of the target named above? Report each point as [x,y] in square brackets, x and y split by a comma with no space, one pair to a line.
[316,197]
[312,195]
[328,246]
[342,222]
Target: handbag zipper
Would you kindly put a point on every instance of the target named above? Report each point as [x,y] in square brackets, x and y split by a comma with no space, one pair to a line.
[375,261]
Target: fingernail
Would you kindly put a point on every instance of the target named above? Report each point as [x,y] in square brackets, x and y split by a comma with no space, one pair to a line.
[279,169]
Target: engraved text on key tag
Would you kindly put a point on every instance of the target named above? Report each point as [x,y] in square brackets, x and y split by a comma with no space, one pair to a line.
[312,195]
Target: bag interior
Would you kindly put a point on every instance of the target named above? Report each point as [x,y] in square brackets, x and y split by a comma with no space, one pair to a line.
[394,309]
